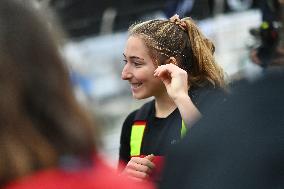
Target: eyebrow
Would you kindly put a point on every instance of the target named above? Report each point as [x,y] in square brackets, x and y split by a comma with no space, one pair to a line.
[133,57]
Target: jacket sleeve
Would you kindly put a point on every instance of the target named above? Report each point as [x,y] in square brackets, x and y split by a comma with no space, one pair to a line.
[124,150]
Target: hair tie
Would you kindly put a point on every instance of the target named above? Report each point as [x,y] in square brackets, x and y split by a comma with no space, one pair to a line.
[175,19]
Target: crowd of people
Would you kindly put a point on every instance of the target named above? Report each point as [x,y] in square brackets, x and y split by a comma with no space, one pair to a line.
[196,132]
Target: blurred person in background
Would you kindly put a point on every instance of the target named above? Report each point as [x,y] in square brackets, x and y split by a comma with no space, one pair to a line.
[269,35]
[172,61]
[46,140]
[242,149]
[279,60]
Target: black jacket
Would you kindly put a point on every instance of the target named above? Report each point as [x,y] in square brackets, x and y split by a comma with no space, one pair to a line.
[160,134]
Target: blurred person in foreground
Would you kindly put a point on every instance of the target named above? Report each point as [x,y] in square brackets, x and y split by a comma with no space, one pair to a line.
[239,145]
[46,139]
[173,62]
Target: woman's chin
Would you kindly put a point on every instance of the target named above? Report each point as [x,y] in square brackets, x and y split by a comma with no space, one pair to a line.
[138,96]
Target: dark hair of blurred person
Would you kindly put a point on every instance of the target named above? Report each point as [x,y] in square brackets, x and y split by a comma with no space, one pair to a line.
[46,139]
[239,145]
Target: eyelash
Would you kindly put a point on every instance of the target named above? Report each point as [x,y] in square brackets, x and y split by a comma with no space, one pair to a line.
[136,64]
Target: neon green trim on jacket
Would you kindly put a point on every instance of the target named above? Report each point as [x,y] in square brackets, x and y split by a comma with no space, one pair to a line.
[183,129]
[136,138]
[137,133]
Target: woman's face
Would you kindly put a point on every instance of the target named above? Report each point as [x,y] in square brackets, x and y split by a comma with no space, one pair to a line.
[139,70]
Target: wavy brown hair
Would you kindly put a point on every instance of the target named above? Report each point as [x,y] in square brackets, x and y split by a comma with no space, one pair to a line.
[193,51]
[40,119]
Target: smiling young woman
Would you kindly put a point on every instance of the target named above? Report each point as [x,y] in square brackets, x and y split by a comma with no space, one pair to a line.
[138,70]
[173,62]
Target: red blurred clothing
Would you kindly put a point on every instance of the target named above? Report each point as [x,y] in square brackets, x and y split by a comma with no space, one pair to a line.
[99,176]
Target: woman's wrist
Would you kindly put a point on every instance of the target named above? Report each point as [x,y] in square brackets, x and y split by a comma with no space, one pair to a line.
[179,100]
[189,112]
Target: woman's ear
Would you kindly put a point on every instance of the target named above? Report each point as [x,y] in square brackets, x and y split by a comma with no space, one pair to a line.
[172,60]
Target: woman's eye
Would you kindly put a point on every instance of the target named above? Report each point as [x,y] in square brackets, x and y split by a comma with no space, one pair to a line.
[137,64]
[124,61]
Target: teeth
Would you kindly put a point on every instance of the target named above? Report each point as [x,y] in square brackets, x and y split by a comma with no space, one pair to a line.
[136,85]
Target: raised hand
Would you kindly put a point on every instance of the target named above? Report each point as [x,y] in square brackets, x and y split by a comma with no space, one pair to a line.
[174,78]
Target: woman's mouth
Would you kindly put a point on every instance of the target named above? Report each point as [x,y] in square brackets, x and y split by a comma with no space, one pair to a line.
[135,85]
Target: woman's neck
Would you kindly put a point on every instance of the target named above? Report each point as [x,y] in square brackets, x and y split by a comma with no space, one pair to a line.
[164,106]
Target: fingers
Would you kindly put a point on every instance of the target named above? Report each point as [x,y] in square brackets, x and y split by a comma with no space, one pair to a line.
[164,74]
[139,168]
[168,69]
[150,157]
[162,70]
[172,76]
[137,174]
[143,161]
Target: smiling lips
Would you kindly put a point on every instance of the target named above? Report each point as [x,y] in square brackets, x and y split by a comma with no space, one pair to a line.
[135,85]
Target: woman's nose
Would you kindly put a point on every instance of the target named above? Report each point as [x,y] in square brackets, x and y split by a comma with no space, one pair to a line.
[126,74]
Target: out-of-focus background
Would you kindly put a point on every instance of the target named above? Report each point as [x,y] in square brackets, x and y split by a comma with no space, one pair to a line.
[97,34]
